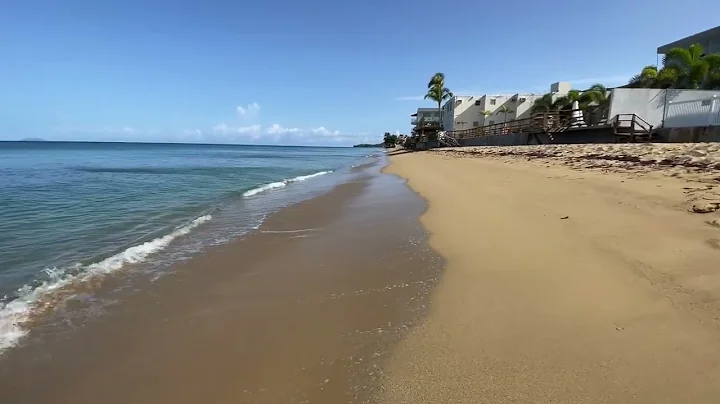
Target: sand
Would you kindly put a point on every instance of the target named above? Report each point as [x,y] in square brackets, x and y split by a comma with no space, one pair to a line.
[575,274]
[305,310]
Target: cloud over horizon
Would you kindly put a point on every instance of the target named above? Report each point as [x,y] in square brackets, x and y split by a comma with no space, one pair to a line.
[246,127]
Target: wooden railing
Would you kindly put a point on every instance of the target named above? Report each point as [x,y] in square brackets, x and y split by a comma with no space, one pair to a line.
[631,127]
[632,121]
[553,121]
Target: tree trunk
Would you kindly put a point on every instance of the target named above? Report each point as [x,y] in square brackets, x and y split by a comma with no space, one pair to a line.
[440,116]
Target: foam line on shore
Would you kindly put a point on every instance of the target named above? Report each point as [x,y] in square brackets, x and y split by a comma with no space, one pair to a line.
[282,184]
[31,300]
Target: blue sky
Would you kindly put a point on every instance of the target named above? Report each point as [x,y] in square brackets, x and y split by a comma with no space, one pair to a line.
[304,71]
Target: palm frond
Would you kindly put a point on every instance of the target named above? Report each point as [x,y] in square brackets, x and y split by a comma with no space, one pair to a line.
[696,52]
[713,61]
[679,58]
[649,71]
[438,79]
[503,109]
[696,74]
[667,77]
[543,104]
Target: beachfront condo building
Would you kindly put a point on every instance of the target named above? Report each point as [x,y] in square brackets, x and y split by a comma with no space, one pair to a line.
[472,111]
[709,40]
[425,116]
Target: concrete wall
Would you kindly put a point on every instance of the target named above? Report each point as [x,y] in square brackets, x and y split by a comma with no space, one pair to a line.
[460,108]
[689,135]
[650,103]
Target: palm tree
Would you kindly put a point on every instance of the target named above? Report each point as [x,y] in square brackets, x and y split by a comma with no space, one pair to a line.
[485,113]
[597,94]
[568,99]
[438,92]
[712,77]
[689,63]
[646,79]
[682,68]
[437,79]
[503,110]
[547,104]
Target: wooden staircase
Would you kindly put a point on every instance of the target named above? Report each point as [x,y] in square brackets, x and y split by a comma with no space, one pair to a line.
[630,128]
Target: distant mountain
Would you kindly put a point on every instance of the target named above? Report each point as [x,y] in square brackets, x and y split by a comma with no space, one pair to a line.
[33,139]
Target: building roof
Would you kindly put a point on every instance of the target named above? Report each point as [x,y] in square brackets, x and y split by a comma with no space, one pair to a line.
[712,33]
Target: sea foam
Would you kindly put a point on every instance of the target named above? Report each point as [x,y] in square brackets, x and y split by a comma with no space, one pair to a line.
[283,183]
[15,313]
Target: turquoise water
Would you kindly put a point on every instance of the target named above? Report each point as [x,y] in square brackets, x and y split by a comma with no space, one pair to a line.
[69,211]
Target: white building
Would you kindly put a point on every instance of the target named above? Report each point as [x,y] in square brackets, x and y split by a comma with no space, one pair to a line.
[469,111]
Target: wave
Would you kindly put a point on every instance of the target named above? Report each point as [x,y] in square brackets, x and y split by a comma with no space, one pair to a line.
[200,171]
[282,184]
[34,300]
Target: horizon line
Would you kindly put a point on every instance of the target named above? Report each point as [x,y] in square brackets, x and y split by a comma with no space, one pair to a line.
[165,143]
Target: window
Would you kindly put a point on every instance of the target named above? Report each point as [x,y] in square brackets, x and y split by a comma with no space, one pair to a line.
[491,122]
[476,124]
[492,102]
[458,102]
[477,102]
[522,99]
[705,103]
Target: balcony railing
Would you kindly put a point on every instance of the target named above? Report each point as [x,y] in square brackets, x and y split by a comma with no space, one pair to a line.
[423,121]
[544,122]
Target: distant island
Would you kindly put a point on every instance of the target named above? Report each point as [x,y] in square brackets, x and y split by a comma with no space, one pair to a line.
[33,139]
[369,145]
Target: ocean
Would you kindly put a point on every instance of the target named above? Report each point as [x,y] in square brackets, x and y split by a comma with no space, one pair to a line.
[73,213]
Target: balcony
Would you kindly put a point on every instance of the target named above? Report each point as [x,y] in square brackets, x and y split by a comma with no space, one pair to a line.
[425,122]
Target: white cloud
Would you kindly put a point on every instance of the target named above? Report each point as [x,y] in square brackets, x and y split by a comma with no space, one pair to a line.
[225,128]
[277,129]
[250,109]
[324,131]
[193,132]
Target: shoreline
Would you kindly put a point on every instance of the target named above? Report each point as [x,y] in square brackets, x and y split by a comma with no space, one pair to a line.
[306,309]
[561,284]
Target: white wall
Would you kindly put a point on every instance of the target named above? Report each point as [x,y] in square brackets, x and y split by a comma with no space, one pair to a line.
[650,103]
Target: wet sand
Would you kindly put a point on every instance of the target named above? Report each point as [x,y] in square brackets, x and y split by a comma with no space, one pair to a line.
[304,310]
[568,280]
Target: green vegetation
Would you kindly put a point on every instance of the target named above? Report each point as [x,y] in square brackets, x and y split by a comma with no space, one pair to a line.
[390,140]
[596,95]
[682,68]
[368,145]
[438,92]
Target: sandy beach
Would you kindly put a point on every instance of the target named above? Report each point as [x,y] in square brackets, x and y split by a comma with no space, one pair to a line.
[575,274]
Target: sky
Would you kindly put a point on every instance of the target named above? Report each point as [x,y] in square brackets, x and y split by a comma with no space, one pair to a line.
[303,72]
